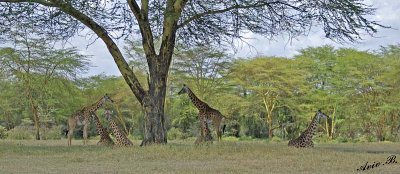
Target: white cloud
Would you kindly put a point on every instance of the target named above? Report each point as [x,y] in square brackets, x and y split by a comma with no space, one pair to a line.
[387,14]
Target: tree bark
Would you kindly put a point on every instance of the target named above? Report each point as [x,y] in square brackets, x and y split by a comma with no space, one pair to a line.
[37,122]
[269,104]
[35,116]
[154,101]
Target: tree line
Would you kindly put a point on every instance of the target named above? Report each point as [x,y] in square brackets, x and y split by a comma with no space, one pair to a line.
[175,23]
[262,97]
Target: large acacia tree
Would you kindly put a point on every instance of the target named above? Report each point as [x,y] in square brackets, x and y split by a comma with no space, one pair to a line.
[184,21]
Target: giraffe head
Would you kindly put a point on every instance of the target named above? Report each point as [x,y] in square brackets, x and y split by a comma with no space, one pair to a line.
[106,98]
[184,90]
[320,115]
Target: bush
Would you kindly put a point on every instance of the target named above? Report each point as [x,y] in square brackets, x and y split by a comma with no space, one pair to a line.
[20,133]
[392,137]
[246,138]
[3,132]
[230,139]
[341,139]
[365,138]
[232,128]
[276,139]
[53,133]
[322,138]
[174,133]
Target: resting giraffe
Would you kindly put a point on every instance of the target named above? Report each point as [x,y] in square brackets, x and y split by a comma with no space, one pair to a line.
[120,136]
[82,118]
[305,139]
[206,113]
[105,138]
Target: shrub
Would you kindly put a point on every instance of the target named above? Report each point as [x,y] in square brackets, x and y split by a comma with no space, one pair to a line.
[53,133]
[245,138]
[322,138]
[174,133]
[392,137]
[20,133]
[365,138]
[230,139]
[276,139]
[341,139]
[2,132]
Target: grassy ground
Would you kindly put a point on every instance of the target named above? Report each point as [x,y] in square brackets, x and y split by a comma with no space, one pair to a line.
[183,157]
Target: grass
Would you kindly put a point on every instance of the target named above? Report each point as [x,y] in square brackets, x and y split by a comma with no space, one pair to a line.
[53,156]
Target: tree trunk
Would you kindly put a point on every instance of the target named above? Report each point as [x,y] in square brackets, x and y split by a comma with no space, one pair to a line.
[153,104]
[270,128]
[35,117]
[269,107]
[34,112]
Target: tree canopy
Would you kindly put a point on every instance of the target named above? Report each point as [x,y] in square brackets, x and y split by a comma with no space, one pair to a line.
[186,22]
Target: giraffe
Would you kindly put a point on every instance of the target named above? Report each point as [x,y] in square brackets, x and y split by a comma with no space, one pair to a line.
[105,138]
[206,114]
[120,136]
[82,118]
[305,139]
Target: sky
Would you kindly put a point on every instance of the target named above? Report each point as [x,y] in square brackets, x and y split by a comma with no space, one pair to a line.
[388,13]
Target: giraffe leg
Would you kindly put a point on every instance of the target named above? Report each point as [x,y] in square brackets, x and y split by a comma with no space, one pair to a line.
[71,127]
[85,133]
[218,131]
[205,131]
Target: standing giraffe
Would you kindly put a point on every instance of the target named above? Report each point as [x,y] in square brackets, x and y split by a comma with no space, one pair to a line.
[82,118]
[120,136]
[305,139]
[105,138]
[206,114]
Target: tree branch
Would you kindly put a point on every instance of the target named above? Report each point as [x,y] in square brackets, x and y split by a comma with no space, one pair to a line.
[145,8]
[144,25]
[43,2]
[211,12]
[172,14]
[128,74]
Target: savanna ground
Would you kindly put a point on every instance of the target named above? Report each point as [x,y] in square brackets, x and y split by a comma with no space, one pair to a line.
[53,156]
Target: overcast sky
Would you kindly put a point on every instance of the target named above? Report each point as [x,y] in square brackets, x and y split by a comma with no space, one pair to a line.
[388,13]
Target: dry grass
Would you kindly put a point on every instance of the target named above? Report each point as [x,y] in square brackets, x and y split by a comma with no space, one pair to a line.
[183,157]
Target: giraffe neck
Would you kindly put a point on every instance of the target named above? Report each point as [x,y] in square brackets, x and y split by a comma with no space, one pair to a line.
[196,101]
[96,105]
[311,128]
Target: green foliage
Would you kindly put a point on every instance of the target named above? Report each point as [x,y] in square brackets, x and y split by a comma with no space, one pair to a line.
[54,133]
[20,133]
[3,132]
[174,133]
[231,139]
[365,139]
[322,138]
[357,89]
[342,139]
[232,128]
[276,139]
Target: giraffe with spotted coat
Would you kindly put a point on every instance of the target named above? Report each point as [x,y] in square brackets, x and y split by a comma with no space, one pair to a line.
[305,139]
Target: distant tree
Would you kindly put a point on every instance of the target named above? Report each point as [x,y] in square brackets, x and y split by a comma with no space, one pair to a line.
[180,21]
[272,80]
[35,66]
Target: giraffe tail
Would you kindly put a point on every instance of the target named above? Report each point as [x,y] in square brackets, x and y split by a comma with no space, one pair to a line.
[224,125]
[66,132]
